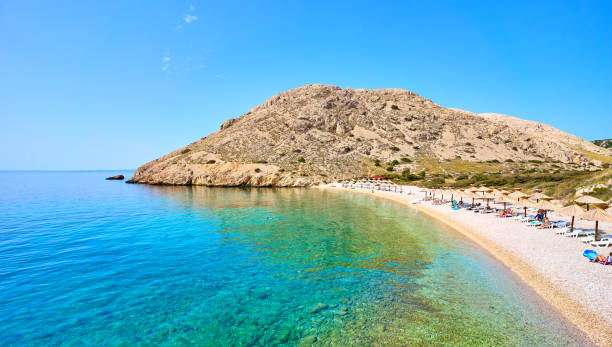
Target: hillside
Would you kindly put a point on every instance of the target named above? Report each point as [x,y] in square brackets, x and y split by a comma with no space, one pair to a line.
[604,143]
[321,133]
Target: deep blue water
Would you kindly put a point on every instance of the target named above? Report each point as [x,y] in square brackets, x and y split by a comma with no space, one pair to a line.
[84,261]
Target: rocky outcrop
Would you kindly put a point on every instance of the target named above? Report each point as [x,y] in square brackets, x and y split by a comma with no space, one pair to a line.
[320,133]
[116,177]
[604,143]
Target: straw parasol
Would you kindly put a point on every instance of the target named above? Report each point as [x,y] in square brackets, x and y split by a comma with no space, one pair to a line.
[557,203]
[540,196]
[522,202]
[468,194]
[518,195]
[572,210]
[541,205]
[488,197]
[505,199]
[590,200]
[597,215]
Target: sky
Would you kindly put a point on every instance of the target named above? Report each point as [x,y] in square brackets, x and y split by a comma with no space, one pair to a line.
[114,84]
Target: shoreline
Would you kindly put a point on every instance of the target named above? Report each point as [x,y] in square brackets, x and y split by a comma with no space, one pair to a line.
[584,318]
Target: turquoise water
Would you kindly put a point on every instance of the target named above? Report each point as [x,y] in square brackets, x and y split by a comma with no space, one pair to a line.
[85,261]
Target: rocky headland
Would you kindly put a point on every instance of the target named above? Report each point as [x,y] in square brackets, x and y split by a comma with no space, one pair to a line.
[321,133]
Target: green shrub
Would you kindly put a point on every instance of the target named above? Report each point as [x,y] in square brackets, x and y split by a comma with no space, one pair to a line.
[438,180]
[390,168]
[462,177]
[301,160]
[186,150]
[468,144]
[346,149]
[509,161]
[394,162]
[297,150]
[422,174]
[281,170]
[376,162]
[514,149]
[479,177]
[261,162]
[395,149]
[406,160]
[257,169]
[212,161]
[535,161]
[351,135]
[395,107]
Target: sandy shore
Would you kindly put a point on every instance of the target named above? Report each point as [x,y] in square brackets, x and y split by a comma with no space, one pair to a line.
[552,265]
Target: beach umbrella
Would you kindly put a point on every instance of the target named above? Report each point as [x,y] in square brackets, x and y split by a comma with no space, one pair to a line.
[522,202]
[468,194]
[504,199]
[540,196]
[488,198]
[597,215]
[485,189]
[557,203]
[590,200]
[571,210]
[518,195]
[542,205]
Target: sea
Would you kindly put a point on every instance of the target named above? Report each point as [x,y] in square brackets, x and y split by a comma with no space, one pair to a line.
[86,261]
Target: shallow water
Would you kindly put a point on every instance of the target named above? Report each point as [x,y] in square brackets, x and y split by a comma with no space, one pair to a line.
[88,261]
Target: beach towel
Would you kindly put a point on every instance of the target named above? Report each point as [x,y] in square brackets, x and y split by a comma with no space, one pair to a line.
[590,254]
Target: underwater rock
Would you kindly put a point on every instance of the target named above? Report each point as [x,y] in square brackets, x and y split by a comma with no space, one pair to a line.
[308,340]
[318,308]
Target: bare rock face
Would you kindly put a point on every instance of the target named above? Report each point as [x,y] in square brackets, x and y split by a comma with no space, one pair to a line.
[320,133]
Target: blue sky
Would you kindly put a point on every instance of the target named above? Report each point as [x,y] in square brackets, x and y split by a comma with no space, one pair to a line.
[114,84]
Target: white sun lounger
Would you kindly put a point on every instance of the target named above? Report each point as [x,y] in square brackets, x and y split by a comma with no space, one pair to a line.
[605,241]
[581,233]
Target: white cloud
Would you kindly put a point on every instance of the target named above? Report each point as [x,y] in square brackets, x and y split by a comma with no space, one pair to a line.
[166,62]
[190,18]
[191,8]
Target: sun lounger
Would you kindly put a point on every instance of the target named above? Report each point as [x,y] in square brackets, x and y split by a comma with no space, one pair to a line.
[602,243]
[562,231]
[560,224]
[579,233]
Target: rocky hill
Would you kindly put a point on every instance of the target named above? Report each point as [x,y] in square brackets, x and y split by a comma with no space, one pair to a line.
[604,143]
[321,133]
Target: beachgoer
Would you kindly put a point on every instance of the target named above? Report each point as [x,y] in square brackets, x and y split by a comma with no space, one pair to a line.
[545,224]
[600,258]
[609,260]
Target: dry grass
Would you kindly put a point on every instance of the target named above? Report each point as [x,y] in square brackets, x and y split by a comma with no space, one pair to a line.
[595,156]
